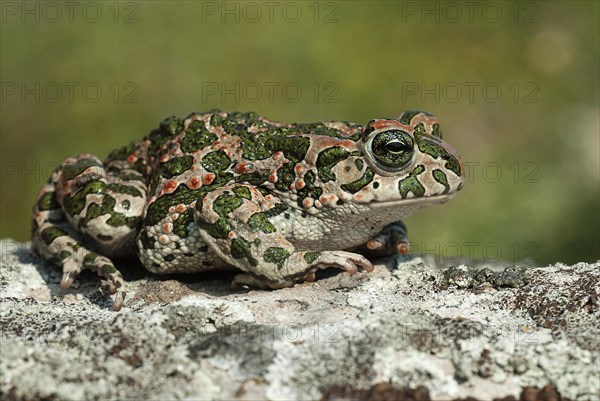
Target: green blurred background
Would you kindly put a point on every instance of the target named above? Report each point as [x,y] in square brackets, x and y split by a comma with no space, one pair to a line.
[515,85]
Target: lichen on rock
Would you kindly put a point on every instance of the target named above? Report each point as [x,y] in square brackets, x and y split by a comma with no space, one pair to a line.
[411,328]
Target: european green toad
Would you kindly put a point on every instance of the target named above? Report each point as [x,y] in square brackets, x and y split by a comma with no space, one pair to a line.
[276,201]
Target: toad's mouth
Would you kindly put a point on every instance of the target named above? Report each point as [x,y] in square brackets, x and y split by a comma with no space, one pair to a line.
[421,201]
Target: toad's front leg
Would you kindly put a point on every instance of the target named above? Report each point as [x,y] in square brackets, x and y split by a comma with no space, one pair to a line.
[391,240]
[238,222]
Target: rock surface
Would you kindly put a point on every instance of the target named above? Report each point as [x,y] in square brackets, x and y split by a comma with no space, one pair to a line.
[417,330]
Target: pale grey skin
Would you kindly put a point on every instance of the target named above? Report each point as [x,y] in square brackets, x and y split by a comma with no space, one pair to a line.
[276,201]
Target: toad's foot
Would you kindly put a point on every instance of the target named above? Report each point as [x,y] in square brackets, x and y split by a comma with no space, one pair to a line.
[347,261]
[112,280]
[390,241]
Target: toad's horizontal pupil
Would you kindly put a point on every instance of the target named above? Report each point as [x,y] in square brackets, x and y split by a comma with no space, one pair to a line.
[395,146]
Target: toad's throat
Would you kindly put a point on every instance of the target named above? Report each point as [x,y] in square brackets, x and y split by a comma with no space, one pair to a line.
[326,231]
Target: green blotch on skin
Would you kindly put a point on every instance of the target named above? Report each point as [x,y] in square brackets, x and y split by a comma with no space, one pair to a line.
[167,129]
[254,147]
[169,258]
[110,269]
[310,257]
[309,190]
[123,152]
[254,178]
[293,147]
[64,254]
[157,139]
[440,177]
[107,207]
[48,201]
[216,162]
[74,204]
[180,225]
[250,118]
[158,209]
[131,176]
[225,204]
[327,159]
[420,129]
[412,184]
[229,124]
[90,257]
[242,192]
[176,166]
[155,179]
[119,219]
[276,210]
[432,148]
[260,221]
[49,234]
[429,146]
[436,131]
[147,241]
[124,189]
[408,115]
[276,255]
[72,170]
[219,230]
[172,125]
[216,119]
[359,184]
[322,129]
[355,137]
[453,165]
[95,210]
[285,177]
[196,137]
[240,249]
[318,129]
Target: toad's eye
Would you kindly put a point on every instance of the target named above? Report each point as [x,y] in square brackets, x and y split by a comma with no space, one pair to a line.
[393,148]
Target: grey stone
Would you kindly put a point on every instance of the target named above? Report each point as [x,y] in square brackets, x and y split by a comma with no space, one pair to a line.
[480,331]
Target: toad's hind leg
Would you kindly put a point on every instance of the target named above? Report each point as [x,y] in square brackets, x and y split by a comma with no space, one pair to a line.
[83,203]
